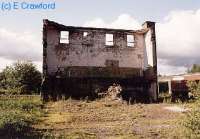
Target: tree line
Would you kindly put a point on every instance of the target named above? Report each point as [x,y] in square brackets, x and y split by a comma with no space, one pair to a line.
[20,78]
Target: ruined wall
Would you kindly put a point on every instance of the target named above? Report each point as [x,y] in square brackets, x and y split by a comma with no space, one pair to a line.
[93,53]
[90,57]
[151,60]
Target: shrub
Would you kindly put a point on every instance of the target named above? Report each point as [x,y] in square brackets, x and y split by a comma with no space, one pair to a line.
[14,122]
[18,114]
[20,78]
[194,88]
[192,118]
[192,123]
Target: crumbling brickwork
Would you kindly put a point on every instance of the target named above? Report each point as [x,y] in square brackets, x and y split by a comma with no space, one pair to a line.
[79,61]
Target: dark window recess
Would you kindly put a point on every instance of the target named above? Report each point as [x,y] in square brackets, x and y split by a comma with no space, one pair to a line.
[87,38]
[112,63]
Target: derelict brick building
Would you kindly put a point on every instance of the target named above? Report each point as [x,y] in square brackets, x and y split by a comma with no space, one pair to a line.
[80,61]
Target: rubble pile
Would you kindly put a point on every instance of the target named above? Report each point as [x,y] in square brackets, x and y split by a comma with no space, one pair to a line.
[113,92]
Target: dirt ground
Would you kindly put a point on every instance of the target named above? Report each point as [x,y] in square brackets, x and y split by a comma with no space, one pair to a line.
[109,119]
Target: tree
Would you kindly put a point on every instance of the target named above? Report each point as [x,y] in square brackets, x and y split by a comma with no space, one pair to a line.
[21,76]
[195,68]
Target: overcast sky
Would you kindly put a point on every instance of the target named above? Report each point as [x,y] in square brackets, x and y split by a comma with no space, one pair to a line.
[177,27]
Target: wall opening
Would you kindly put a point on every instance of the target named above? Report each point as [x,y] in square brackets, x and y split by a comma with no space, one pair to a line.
[64,37]
[85,34]
[109,40]
[130,41]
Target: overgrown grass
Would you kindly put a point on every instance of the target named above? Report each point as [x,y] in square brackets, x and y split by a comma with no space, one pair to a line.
[107,119]
[17,114]
[94,119]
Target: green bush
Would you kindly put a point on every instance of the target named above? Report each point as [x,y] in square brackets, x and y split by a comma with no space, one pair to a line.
[25,104]
[10,91]
[20,78]
[18,114]
[194,88]
[192,123]
[14,122]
